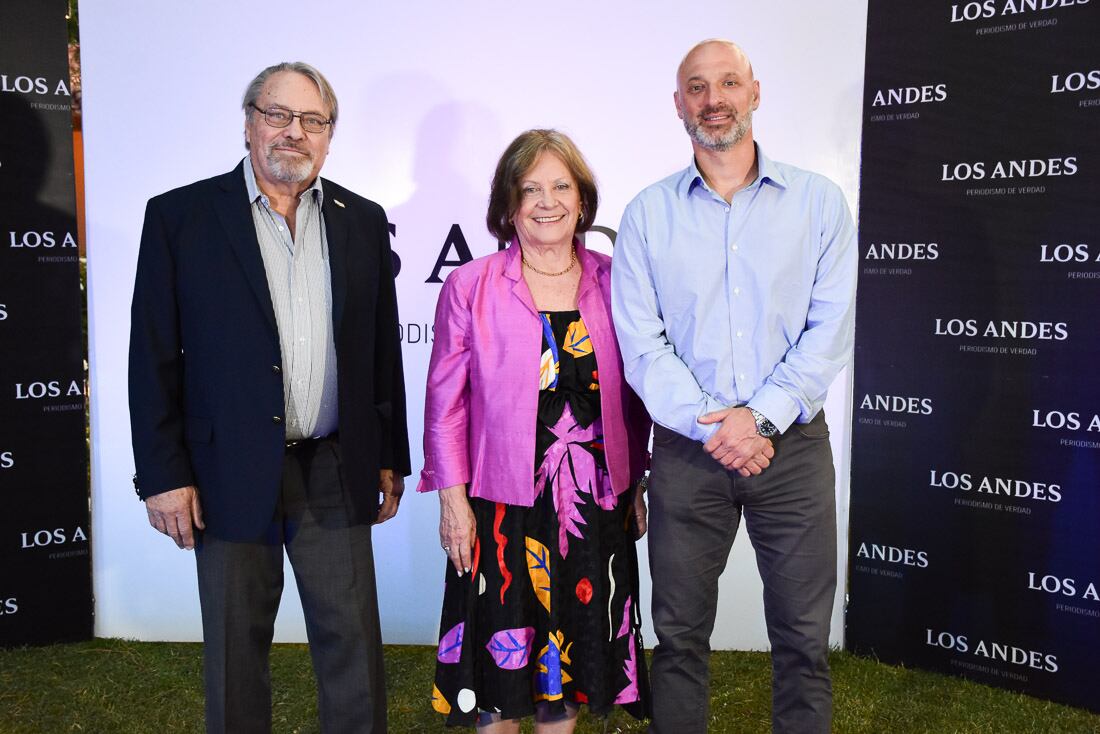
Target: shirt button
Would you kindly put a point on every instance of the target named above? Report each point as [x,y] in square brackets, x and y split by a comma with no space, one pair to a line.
[741,377]
[736,291]
[739,335]
[733,247]
[726,208]
[276,419]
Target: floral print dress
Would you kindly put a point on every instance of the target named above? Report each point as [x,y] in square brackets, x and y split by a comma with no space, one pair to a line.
[549,612]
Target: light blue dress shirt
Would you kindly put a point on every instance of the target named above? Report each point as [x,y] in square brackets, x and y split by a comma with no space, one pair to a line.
[746,303]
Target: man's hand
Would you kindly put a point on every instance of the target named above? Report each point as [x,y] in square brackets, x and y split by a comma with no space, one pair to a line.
[175,513]
[457,527]
[736,444]
[392,486]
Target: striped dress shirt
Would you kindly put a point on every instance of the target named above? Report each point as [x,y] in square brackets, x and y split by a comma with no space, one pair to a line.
[298,278]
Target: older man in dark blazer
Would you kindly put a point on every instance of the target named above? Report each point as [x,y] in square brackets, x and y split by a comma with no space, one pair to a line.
[267,403]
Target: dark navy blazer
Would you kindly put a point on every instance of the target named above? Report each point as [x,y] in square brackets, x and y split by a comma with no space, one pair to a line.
[206,389]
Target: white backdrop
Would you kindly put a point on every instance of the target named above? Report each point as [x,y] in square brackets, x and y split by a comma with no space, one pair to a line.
[430,94]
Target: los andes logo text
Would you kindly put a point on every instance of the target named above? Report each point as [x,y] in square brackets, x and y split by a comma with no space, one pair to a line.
[896,404]
[910,95]
[1058,419]
[1025,168]
[902,251]
[998,486]
[890,554]
[51,389]
[1075,82]
[37,85]
[1066,253]
[46,240]
[1042,330]
[980,9]
[995,651]
[1061,586]
[57,536]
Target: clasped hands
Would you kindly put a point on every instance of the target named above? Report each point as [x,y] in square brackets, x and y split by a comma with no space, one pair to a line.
[736,445]
[178,512]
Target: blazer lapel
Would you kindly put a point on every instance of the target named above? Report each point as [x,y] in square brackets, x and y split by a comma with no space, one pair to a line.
[591,302]
[235,214]
[513,265]
[336,233]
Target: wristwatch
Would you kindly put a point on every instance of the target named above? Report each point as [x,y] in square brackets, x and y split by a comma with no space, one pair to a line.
[764,426]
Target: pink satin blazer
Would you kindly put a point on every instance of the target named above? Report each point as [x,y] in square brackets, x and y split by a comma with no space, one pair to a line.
[483,381]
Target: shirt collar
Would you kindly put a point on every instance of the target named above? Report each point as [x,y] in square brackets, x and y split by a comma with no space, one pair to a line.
[254,192]
[766,172]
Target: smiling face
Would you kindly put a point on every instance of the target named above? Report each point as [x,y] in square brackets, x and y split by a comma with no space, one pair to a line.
[549,203]
[716,95]
[287,155]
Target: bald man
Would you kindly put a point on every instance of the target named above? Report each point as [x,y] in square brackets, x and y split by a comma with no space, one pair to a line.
[733,287]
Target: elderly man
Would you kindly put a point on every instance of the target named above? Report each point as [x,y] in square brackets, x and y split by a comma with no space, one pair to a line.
[267,403]
[732,288]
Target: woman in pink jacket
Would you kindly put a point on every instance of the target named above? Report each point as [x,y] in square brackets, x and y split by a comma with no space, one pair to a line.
[536,445]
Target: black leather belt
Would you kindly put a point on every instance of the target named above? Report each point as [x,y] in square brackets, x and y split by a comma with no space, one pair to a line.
[303,443]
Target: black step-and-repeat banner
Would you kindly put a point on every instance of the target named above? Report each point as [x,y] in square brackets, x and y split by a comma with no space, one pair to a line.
[975,503]
[45,568]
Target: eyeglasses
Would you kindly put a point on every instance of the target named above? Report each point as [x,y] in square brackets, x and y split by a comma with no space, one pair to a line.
[282,117]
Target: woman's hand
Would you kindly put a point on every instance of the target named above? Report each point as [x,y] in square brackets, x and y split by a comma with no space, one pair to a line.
[457,527]
[640,512]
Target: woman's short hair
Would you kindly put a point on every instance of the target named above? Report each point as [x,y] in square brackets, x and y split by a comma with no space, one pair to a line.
[518,158]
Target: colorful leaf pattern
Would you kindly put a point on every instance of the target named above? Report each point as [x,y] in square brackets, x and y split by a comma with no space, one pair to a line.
[577,341]
[629,693]
[450,645]
[624,628]
[573,492]
[549,364]
[571,470]
[550,674]
[511,648]
[538,567]
[439,703]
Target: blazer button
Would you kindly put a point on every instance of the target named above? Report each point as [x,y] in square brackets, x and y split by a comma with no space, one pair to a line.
[276,368]
[276,419]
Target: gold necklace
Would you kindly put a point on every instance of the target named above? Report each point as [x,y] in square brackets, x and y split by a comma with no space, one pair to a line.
[572,262]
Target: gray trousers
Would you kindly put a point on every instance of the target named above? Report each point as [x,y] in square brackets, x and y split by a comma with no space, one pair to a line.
[790,513]
[240,585]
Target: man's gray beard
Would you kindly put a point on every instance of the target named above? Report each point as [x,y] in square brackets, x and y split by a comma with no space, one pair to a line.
[716,141]
[289,169]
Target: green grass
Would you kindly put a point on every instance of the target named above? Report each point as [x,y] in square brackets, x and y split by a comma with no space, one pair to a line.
[108,686]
